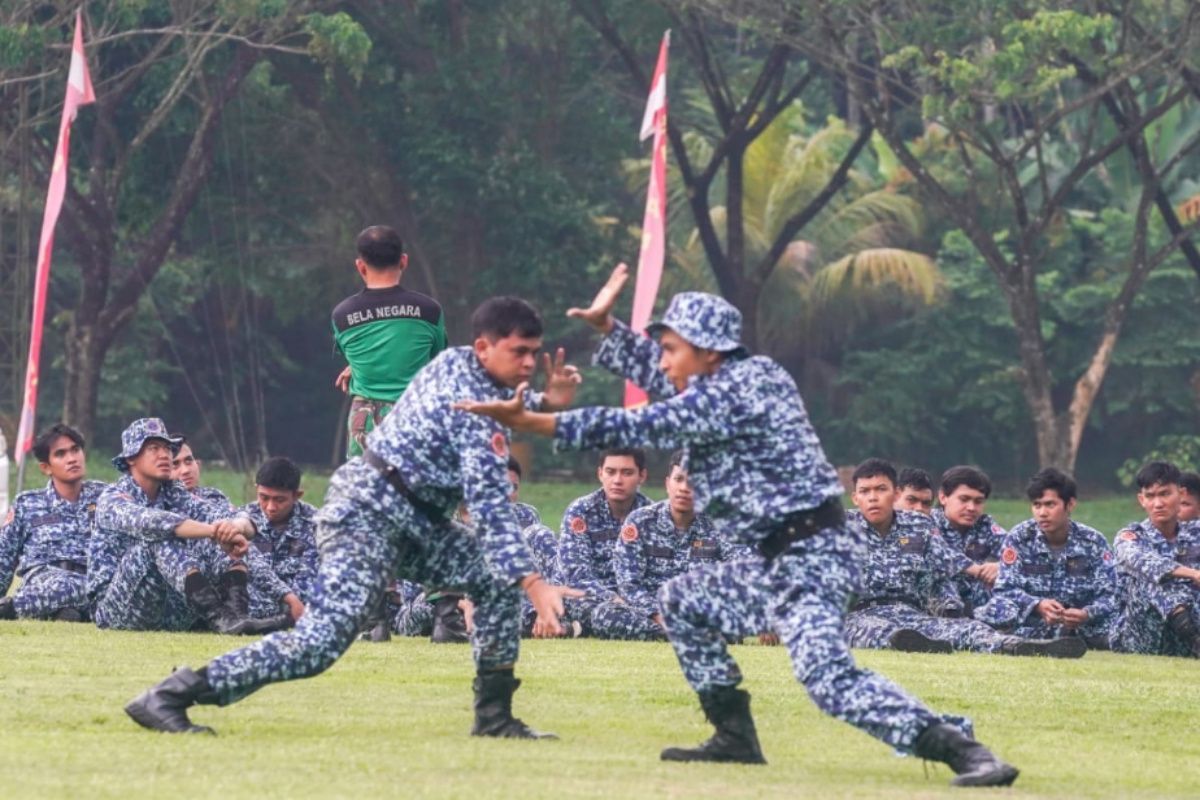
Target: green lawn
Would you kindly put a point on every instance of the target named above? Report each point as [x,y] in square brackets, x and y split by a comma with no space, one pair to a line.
[391,720]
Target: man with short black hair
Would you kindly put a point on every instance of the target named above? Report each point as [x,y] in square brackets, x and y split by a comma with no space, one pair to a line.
[1158,561]
[185,468]
[44,538]
[386,332]
[1056,575]
[963,496]
[914,491]
[393,508]
[906,599]
[1189,496]
[590,527]
[285,540]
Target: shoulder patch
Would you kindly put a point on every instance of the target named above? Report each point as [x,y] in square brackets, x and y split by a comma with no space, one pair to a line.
[578,525]
[500,444]
[996,529]
[9,516]
[1107,555]
[1127,536]
[629,534]
[1009,556]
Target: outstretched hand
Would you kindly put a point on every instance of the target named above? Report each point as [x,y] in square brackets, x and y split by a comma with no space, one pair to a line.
[547,600]
[599,313]
[508,413]
[562,379]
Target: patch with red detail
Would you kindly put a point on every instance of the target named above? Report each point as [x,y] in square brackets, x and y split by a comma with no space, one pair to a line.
[578,525]
[629,534]
[1128,536]
[996,529]
[1107,556]
[8,518]
[500,444]
[1009,556]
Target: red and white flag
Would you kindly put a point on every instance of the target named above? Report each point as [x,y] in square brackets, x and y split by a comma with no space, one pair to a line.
[79,93]
[654,223]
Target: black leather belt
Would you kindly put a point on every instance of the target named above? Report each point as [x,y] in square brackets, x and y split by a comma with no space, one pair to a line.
[392,475]
[70,566]
[891,600]
[803,525]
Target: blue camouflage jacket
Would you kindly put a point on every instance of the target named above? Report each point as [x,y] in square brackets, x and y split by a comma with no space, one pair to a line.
[650,551]
[543,544]
[981,542]
[910,565]
[1144,555]
[752,455]
[290,552]
[585,546]
[526,515]
[446,456]
[124,516]
[1078,576]
[211,494]
[46,528]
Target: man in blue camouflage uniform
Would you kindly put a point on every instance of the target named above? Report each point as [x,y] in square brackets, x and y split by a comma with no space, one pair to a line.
[185,468]
[657,543]
[961,520]
[153,560]
[44,539]
[392,508]
[757,468]
[907,599]
[1056,576]
[590,527]
[409,609]
[1158,568]
[526,514]
[285,541]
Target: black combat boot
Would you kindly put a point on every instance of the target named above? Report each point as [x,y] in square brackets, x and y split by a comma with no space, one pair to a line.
[6,608]
[235,589]
[214,610]
[736,740]
[164,707]
[449,622]
[973,764]
[1066,647]
[493,708]
[68,615]
[907,640]
[1184,627]
[377,627]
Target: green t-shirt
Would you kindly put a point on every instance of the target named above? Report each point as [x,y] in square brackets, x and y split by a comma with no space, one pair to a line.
[387,335]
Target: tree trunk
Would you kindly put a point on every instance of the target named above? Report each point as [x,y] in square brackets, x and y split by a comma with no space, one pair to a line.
[86,346]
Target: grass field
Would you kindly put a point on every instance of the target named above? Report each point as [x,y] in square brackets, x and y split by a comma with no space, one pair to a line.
[391,720]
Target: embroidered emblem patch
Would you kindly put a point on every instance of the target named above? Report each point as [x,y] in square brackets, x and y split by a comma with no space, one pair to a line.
[1009,556]
[578,525]
[629,534]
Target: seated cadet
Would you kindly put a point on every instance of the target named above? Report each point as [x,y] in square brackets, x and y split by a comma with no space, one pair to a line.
[906,599]
[1158,568]
[962,522]
[914,491]
[526,514]
[1189,496]
[152,538]
[657,543]
[1056,576]
[590,528]
[286,538]
[185,468]
[44,538]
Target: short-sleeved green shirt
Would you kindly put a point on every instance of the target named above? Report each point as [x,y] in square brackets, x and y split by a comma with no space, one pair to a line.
[387,335]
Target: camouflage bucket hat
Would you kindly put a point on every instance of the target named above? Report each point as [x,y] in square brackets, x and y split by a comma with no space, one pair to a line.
[135,436]
[703,320]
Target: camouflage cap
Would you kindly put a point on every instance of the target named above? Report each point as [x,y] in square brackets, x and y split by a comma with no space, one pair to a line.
[703,320]
[135,436]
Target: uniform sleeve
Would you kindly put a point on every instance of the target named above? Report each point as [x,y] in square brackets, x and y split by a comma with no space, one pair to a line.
[707,412]
[575,563]
[629,567]
[12,542]
[1013,588]
[263,579]
[942,556]
[485,490]
[1105,603]
[1136,558]
[119,512]
[337,346]
[634,357]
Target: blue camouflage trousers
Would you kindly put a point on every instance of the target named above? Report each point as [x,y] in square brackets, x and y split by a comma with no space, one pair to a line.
[1142,624]
[147,590]
[410,611]
[365,533]
[873,627]
[800,595]
[614,620]
[46,590]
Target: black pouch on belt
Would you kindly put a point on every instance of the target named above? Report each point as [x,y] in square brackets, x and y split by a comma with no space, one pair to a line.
[802,525]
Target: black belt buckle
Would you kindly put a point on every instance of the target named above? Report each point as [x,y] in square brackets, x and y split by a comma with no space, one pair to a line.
[801,525]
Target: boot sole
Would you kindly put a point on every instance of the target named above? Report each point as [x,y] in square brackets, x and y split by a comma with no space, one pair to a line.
[910,641]
[136,711]
[686,756]
[1004,775]
[1055,648]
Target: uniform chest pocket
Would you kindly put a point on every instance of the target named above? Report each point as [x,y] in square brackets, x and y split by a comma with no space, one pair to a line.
[978,551]
[912,545]
[704,551]
[1038,568]
[263,544]
[296,547]
[47,519]
[1189,556]
[601,537]
[1078,567]
[655,551]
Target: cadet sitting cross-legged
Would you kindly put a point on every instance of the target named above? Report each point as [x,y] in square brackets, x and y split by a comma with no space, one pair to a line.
[1158,568]
[907,600]
[44,539]
[153,537]
[1056,575]
[961,520]
[286,540]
